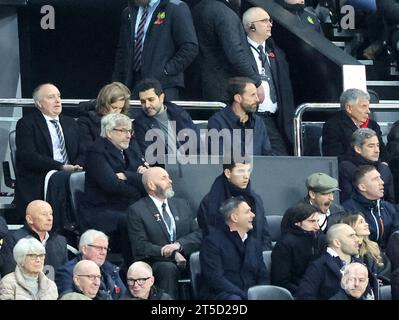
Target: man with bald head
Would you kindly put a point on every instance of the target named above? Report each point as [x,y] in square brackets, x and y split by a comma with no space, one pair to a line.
[323,276]
[140,281]
[162,230]
[38,224]
[86,281]
[277,109]
[45,141]
[355,283]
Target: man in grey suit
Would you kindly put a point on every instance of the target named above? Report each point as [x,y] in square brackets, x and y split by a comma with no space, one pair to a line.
[162,230]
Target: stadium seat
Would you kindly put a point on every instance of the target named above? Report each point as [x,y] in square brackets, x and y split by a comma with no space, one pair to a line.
[266,292]
[195,271]
[274,222]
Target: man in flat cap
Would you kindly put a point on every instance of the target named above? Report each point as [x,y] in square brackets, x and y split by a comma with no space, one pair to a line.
[321,189]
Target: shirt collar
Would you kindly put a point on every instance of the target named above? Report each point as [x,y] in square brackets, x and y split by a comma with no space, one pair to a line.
[49,118]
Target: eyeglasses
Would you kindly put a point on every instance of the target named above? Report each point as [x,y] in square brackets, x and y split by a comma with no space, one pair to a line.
[34,256]
[99,248]
[92,277]
[140,281]
[123,131]
[266,20]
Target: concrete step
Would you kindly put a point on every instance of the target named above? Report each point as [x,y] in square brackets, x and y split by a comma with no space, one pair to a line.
[387,90]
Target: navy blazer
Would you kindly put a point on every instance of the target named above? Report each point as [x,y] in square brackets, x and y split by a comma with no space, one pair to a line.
[102,186]
[229,266]
[34,156]
[170,45]
[148,233]
[321,280]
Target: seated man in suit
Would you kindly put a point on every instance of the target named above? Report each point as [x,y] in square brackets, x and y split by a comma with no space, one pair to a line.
[323,276]
[233,182]
[162,230]
[113,175]
[354,114]
[45,140]
[166,121]
[231,261]
[93,245]
[38,224]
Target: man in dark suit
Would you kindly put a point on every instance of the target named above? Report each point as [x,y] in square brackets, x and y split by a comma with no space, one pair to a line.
[231,261]
[223,48]
[354,114]
[162,230]
[45,140]
[277,109]
[166,120]
[157,39]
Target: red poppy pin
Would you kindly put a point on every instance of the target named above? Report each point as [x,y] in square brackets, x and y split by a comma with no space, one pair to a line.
[160,18]
[271,54]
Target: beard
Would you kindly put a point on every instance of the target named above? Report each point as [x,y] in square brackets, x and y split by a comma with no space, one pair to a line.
[142,3]
[168,193]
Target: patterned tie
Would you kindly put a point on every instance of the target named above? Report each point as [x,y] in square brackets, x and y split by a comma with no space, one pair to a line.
[61,140]
[138,46]
[268,73]
[168,222]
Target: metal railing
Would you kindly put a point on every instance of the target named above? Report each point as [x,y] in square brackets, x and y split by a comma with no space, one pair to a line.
[298,139]
[134,103]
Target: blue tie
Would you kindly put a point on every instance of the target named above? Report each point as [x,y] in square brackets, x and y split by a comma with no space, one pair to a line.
[168,221]
[61,141]
[138,45]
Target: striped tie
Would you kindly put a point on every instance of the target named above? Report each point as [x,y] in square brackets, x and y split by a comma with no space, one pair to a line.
[138,46]
[61,140]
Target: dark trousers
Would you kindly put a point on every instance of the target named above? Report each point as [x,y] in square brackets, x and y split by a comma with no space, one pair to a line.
[279,146]
[167,275]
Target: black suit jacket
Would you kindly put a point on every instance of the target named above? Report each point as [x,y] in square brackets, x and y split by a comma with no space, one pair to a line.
[170,45]
[223,48]
[282,83]
[34,156]
[148,234]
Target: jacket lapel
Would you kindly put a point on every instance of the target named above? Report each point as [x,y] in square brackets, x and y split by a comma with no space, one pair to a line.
[42,124]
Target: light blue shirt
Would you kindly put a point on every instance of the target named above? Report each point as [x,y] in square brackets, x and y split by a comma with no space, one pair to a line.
[54,137]
[151,8]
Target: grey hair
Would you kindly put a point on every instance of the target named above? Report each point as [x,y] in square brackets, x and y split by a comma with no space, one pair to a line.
[26,246]
[247,17]
[144,180]
[352,96]
[360,136]
[138,265]
[111,121]
[36,91]
[89,236]
[229,205]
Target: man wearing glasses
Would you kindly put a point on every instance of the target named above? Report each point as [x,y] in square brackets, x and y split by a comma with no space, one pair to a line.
[277,109]
[93,246]
[113,169]
[140,281]
[233,182]
[86,282]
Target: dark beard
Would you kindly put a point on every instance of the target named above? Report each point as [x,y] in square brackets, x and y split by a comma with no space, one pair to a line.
[142,3]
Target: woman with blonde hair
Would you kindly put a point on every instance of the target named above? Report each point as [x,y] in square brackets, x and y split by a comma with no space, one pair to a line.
[28,282]
[369,251]
[112,98]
